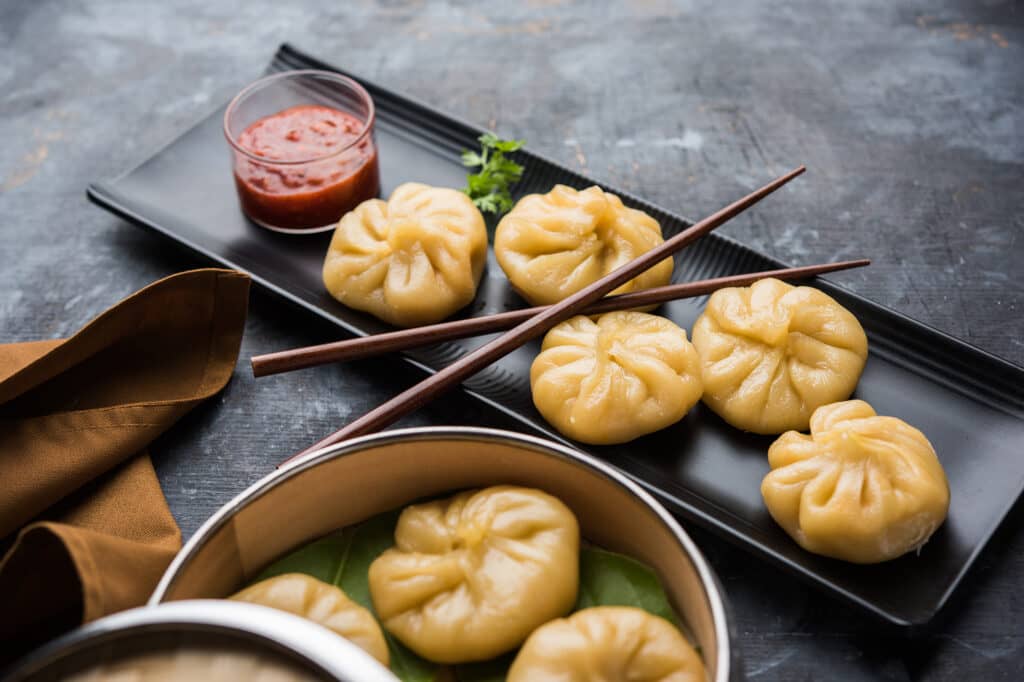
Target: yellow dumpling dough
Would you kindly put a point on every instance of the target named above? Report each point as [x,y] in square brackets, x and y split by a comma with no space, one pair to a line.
[552,245]
[615,379]
[471,576]
[862,488]
[773,353]
[414,259]
[321,603]
[182,664]
[610,644]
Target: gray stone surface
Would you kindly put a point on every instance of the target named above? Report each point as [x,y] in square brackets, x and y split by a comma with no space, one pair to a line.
[909,114]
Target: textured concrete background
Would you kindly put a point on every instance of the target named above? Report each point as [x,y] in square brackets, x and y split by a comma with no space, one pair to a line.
[909,115]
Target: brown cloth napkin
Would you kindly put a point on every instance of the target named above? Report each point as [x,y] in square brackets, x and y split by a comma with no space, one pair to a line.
[86,528]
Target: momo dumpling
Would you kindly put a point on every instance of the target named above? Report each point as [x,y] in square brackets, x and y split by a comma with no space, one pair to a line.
[615,378]
[471,576]
[861,488]
[189,664]
[327,605]
[610,643]
[411,260]
[772,353]
[552,245]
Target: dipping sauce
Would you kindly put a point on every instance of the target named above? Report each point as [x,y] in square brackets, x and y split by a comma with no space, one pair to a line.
[315,164]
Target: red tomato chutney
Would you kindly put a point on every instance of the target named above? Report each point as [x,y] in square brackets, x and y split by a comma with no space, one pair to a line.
[313,167]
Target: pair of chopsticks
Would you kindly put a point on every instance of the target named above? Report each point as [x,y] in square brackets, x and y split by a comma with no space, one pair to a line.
[525,325]
[407,339]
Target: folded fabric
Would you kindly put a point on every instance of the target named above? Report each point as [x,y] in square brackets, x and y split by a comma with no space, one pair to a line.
[85,524]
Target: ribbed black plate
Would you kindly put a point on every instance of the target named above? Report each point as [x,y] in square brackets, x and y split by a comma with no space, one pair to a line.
[969,403]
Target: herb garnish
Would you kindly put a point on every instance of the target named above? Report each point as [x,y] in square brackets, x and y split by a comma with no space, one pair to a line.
[489,188]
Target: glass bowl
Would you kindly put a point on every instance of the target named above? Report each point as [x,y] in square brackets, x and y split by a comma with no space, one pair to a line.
[303,149]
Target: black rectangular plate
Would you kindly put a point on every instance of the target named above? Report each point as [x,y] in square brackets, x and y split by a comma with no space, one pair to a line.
[969,403]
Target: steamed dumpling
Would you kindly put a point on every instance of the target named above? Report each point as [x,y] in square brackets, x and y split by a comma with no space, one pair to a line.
[184,664]
[321,603]
[772,353]
[608,643]
[862,488]
[414,259]
[552,245]
[471,576]
[615,378]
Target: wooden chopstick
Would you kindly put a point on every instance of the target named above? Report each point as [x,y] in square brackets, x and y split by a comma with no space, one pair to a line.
[436,384]
[406,339]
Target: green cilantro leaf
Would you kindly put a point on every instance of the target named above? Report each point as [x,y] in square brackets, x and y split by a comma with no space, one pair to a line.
[471,159]
[489,189]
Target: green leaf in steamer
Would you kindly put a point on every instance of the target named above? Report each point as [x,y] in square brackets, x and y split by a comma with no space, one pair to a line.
[494,670]
[320,559]
[406,665]
[610,579]
[343,559]
[368,541]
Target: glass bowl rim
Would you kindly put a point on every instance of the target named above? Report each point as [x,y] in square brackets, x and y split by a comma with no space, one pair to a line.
[296,74]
